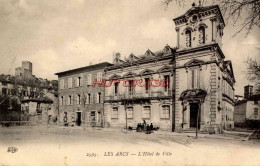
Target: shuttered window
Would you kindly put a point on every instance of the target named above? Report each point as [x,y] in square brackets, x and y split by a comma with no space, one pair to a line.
[193,79]
[165,112]
[70,83]
[115,113]
[147,112]
[130,112]
[89,79]
[62,84]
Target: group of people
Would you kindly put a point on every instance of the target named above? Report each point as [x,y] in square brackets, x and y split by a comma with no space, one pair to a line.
[144,127]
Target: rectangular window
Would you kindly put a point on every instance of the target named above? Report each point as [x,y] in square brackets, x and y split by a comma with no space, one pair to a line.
[131,87]
[62,84]
[130,112]
[69,100]
[116,88]
[70,83]
[99,76]
[89,79]
[38,105]
[99,97]
[61,100]
[166,83]
[165,112]
[79,81]
[93,116]
[38,109]
[147,85]
[147,112]
[79,99]
[194,78]
[255,111]
[89,98]
[115,113]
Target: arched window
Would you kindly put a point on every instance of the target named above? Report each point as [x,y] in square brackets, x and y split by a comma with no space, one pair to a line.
[188,38]
[202,35]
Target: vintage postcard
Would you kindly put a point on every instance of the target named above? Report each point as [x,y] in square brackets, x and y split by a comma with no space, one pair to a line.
[129,82]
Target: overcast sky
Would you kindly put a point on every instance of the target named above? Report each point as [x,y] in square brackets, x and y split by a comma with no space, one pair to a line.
[58,35]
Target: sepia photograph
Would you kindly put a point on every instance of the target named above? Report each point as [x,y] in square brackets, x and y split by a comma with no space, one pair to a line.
[129,82]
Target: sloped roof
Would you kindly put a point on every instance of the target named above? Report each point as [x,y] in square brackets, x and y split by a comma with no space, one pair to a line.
[40,100]
[148,55]
[90,68]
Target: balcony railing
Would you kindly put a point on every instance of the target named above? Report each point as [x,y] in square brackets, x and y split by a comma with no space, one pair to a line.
[138,95]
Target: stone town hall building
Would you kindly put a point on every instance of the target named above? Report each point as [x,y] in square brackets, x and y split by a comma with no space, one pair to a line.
[198,83]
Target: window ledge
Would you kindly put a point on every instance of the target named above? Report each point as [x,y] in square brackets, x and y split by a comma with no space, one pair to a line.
[165,118]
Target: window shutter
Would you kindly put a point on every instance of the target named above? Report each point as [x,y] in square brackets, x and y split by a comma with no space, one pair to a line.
[100,76]
[76,82]
[60,101]
[86,98]
[91,98]
[161,112]
[90,79]
[101,97]
[95,97]
[76,99]
[195,78]
[62,84]
[68,100]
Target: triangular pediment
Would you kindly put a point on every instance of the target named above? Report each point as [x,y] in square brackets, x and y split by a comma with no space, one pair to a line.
[149,53]
[167,50]
[114,77]
[129,74]
[146,72]
[194,62]
[165,69]
[132,57]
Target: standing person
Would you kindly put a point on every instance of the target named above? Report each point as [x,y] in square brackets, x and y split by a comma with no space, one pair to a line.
[148,131]
[144,125]
[151,126]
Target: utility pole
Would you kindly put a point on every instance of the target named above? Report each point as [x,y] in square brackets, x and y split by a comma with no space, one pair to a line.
[173,94]
[197,124]
[125,118]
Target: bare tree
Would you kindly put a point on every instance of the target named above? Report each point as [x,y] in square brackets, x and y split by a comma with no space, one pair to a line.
[242,13]
[253,72]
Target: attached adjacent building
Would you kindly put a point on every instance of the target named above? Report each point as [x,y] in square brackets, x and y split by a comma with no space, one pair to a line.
[177,88]
[247,111]
[81,101]
[141,88]
[204,89]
